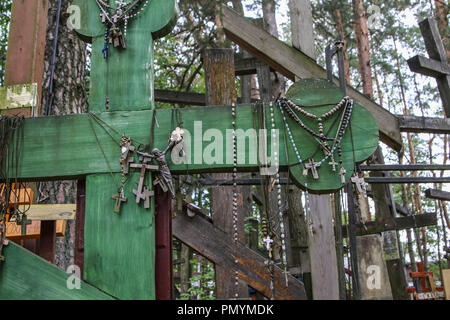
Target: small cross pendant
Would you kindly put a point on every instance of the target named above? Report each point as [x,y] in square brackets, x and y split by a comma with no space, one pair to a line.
[333,164]
[268,243]
[23,222]
[119,197]
[311,165]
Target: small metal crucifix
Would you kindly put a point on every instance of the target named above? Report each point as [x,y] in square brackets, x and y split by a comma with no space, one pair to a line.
[119,197]
[311,165]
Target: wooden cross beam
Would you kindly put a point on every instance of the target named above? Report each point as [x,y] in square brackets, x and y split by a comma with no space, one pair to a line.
[213,243]
[437,194]
[388,224]
[26,276]
[424,124]
[436,65]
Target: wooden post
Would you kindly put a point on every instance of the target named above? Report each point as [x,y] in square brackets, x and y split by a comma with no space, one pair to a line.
[302,27]
[79,225]
[26,45]
[163,221]
[322,248]
[220,90]
[322,245]
[47,240]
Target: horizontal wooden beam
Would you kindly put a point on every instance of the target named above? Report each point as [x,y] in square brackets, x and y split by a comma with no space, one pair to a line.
[428,67]
[178,97]
[437,194]
[424,125]
[293,63]
[409,167]
[211,242]
[388,224]
[25,276]
[14,231]
[401,180]
[43,212]
[184,98]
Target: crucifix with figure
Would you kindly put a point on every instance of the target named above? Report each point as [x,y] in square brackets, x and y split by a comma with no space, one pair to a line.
[120,248]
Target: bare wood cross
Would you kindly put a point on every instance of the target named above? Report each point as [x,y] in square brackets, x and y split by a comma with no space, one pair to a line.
[311,165]
[436,65]
[142,192]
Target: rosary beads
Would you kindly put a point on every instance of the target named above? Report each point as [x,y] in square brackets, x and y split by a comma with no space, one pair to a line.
[117,19]
[235,204]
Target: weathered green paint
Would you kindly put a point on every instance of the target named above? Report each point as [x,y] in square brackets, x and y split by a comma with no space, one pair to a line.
[65,146]
[119,254]
[120,249]
[25,276]
[18,96]
[126,77]
[358,144]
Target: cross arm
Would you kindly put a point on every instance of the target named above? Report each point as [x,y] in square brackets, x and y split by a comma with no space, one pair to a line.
[201,235]
[390,223]
[74,146]
[429,67]
[293,63]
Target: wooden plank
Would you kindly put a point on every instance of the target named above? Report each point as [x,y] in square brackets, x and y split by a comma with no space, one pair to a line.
[389,223]
[437,194]
[214,244]
[26,45]
[373,275]
[401,180]
[163,268]
[302,27]
[428,67]
[446,282]
[79,225]
[424,125]
[14,231]
[25,276]
[136,72]
[44,212]
[47,241]
[291,62]
[119,250]
[322,246]
[183,98]
[74,156]
[221,90]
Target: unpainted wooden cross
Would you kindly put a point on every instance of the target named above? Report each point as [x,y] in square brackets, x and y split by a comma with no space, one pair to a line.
[436,65]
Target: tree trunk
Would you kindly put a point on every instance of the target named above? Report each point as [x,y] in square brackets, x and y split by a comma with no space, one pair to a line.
[68,96]
[362,40]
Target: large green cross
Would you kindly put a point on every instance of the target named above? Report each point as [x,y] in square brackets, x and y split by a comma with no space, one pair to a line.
[120,249]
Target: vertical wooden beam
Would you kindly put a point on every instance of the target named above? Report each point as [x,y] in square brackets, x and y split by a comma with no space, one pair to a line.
[324,273]
[163,225]
[302,27]
[322,244]
[26,45]
[79,225]
[47,241]
[221,90]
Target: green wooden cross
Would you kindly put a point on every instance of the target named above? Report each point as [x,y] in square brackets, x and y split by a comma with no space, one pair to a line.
[120,249]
